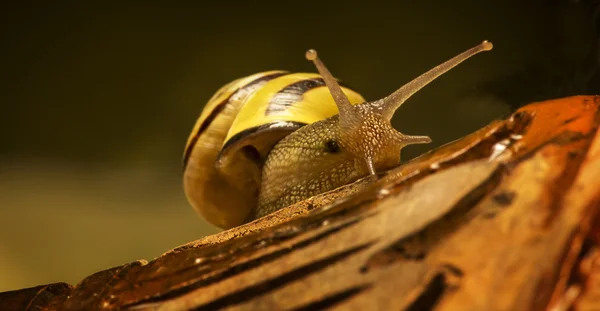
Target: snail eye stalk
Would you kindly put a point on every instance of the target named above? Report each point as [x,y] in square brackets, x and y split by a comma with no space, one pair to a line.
[391,103]
[342,102]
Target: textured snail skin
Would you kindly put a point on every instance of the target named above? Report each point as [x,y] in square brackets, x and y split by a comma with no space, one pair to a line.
[301,166]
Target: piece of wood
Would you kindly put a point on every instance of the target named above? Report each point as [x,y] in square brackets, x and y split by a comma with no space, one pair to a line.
[505,218]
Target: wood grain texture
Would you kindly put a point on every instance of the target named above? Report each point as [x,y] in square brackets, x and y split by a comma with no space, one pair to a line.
[505,218]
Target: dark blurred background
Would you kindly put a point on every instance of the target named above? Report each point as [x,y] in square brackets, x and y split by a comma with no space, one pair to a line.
[98,100]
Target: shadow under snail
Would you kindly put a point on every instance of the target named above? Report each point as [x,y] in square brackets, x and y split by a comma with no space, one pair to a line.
[266,141]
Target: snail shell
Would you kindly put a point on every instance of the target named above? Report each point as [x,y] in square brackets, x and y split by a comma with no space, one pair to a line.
[235,132]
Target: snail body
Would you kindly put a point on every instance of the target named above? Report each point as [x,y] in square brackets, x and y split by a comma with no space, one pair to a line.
[274,138]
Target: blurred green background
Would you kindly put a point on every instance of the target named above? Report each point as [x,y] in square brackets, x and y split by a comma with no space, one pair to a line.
[98,100]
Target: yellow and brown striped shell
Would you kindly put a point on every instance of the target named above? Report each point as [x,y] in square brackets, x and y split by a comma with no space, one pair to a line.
[236,130]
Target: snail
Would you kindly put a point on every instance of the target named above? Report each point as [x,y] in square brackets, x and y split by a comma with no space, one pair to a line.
[268,140]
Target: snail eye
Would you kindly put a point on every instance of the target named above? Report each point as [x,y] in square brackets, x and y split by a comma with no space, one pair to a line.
[332,146]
